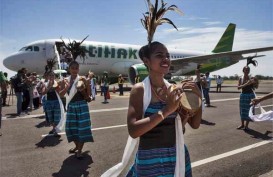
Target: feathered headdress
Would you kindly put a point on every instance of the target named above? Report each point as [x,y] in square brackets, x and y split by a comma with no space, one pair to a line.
[251,61]
[50,63]
[75,48]
[154,17]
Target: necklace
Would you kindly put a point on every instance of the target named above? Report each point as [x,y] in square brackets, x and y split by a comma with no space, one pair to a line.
[159,92]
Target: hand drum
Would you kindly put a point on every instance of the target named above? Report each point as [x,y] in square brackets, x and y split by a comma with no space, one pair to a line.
[190,100]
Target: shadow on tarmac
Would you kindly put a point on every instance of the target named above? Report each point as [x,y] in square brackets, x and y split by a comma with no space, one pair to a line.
[42,124]
[48,141]
[205,122]
[211,106]
[72,167]
[13,115]
[258,135]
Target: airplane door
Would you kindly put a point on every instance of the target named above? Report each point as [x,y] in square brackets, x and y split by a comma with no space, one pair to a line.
[50,51]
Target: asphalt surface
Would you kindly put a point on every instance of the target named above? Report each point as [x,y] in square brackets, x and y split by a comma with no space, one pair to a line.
[217,148]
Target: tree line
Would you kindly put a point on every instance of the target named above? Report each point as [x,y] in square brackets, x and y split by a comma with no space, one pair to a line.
[259,77]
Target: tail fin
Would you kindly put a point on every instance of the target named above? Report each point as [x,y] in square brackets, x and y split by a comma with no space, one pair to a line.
[226,42]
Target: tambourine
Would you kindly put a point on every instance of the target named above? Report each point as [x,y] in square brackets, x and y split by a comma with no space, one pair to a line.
[190,101]
[54,85]
[83,88]
[255,82]
[80,84]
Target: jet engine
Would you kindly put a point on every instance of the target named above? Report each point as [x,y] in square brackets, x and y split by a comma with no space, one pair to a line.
[137,69]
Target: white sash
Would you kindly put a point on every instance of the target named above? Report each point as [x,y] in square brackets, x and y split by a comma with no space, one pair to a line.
[132,143]
[264,116]
[60,125]
[73,90]
[68,97]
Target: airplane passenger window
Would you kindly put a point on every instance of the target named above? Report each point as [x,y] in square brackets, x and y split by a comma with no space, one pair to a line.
[29,48]
[36,48]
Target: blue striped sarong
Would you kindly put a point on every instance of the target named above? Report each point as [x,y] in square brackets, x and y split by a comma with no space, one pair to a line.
[78,123]
[158,162]
[245,99]
[154,161]
[53,111]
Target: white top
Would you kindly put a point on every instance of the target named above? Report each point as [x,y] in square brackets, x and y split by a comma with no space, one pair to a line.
[64,65]
[219,80]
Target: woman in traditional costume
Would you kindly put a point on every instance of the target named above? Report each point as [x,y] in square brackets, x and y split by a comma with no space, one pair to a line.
[52,105]
[78,123]
[247,85]
[156,118]
[156,155]
[50,90]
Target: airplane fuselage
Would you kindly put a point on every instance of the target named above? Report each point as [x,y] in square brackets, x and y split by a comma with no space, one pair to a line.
[101,56]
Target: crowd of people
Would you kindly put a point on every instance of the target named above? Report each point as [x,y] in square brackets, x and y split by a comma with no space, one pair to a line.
[32,92]
[28,88]
[156,114]
[53,93]
[154,111]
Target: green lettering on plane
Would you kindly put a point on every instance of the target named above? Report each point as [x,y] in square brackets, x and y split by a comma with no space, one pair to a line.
[105,51]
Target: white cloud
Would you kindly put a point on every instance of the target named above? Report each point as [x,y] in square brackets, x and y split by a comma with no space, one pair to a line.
[205,39]
[252,39]
[212,23]
[194,18]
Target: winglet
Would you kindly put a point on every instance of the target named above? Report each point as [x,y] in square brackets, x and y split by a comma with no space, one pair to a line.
[226,42]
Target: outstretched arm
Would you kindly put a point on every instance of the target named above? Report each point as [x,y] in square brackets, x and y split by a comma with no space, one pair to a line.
[258,100]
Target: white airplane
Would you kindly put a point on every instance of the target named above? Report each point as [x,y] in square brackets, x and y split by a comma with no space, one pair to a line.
[124,59]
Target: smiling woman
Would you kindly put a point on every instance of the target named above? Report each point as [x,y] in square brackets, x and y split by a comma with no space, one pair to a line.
[153,118]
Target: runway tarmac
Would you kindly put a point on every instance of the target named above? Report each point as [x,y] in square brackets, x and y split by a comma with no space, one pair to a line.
[217,148]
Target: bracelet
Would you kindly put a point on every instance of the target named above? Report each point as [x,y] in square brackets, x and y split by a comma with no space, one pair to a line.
[161,114]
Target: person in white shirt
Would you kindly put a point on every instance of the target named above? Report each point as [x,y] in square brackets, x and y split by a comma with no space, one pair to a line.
[64,66]
[92,85]
[206,90]
[219,82]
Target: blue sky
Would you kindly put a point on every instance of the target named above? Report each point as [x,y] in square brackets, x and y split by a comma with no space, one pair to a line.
[200,28]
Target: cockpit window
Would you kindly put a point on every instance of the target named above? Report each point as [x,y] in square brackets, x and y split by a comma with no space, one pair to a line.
[23,49]
[36,48]
[30,48]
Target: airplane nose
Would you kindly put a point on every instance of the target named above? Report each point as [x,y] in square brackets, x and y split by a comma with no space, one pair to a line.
[6,62]
[10,63]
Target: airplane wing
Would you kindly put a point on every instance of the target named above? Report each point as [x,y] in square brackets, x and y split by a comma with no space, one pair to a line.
[231,54]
